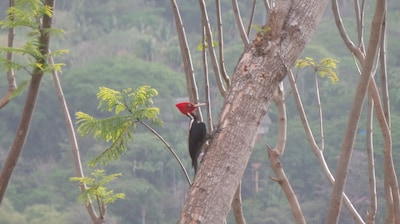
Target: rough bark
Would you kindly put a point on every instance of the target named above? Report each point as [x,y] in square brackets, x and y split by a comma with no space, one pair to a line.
[261,67]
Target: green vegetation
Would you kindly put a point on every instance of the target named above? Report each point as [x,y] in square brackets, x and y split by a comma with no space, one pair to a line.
[96,189]
[124,44]
[118,128]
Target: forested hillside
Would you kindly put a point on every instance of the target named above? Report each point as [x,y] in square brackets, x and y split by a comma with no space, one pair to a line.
[124,43]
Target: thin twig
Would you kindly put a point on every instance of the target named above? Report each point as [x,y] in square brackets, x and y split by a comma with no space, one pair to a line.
[253,9]
[239,23]
[12,84]
[72,138]
[206,83]
[170,149]
[342,31]
[371,163]
[315,148]
[237,205]
[267,5]
[275,155]
[211,48]
[185,52]
[224,74]
[321,124]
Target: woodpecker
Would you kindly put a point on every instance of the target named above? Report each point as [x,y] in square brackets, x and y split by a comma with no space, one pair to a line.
[197,131]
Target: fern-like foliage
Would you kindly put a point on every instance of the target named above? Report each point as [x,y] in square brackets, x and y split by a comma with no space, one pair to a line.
[324,68]
[96,187]
[28,14]
[128,108]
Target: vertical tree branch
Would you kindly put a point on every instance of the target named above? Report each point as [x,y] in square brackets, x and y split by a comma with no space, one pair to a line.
[186,58]
[315,148]
[360,22]
[72,139]
[390,178]
[371,163]
[206,83]
[211,49]
[352,124]
[224,74]
[12,84]
[343,33]
[267,5]
[383,73]
[239,23]
[253,8]
[321,124]
[237,205]
[275,155]
[386,111]
[30,102]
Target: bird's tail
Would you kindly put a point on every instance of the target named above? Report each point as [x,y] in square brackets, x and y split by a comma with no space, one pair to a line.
[194,165]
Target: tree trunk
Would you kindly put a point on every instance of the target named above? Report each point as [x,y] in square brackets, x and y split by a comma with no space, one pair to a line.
[261,67]
[30,102]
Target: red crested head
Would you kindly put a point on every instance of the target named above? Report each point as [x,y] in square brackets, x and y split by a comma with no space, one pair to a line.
[187,107]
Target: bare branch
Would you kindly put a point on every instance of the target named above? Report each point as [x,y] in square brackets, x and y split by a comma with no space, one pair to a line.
[278,99]
[72,138]
[206,85]
[383,73]
[169,148]
[321,124]
[237,205]
[275,154]
[186,58]
[211,49]
[390,182]
[253,8]
[239,23]
[390,178]
[315,148]
[360,23]
[12,84]
[224,74]
[267,5]
[342,31]
[371,164]
[352,124]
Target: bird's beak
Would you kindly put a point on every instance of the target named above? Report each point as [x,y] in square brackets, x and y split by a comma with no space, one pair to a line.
[199,105]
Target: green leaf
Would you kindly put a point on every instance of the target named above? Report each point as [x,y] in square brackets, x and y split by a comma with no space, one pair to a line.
[118,128]
[95,187]
[324,68]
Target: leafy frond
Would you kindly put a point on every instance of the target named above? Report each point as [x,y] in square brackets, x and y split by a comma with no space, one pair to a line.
[110,100]
[324,68]
[302,63]
[114,151]
[118,129]
[96,187]
[143,96]
[107,129]
[29,13]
